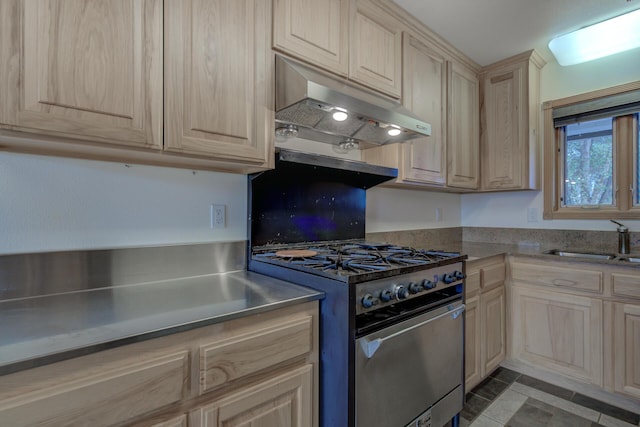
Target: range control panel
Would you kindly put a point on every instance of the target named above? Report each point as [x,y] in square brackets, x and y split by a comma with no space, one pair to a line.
[392,290]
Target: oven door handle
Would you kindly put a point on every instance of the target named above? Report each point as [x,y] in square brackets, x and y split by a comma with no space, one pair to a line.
[371,347]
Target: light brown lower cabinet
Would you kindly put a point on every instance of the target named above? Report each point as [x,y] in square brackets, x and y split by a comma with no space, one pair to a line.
[281,401]
[578,320]
[559,332]
[259,370]
[492,317]
[626,348]
[472,361]
[485,318]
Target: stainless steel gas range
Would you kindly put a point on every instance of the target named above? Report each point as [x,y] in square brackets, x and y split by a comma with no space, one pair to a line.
[391,331]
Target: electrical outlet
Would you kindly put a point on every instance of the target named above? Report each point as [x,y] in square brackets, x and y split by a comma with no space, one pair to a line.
[218,216]
[532,214]
[438,214]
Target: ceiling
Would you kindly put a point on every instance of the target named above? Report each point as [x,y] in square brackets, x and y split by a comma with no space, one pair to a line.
[490,30]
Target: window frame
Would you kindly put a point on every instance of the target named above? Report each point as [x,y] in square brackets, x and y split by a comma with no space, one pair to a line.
[625,148]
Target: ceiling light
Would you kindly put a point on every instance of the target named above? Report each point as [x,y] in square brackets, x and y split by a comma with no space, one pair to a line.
[394,131]
[596,41]
[340,115]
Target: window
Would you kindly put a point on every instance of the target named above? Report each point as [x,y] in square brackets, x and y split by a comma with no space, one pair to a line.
[591,155]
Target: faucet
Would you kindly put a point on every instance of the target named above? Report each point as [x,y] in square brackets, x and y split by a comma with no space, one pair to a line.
[623,238]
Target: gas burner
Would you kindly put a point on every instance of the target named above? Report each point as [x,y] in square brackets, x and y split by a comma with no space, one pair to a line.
[368,245]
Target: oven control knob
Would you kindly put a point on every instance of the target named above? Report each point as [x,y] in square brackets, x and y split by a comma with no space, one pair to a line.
[459,275]
[428,284]
[415,288]
[386,295]
[402,292]
[448,278]
[369,301]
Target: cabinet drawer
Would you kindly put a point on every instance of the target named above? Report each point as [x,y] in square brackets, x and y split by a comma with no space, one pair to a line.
[492,276]
[472,283]
[625,285]
[570,278]
[108,398]
[227,360]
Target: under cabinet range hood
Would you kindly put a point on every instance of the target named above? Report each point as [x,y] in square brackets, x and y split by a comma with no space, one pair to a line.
[327,109]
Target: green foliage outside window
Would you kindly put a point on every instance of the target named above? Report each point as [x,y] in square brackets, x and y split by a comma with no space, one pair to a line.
[588,179]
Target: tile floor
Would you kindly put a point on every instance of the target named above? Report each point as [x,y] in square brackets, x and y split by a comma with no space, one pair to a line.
[508,398]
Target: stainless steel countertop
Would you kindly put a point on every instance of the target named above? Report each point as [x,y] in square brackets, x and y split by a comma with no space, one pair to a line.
[45,329]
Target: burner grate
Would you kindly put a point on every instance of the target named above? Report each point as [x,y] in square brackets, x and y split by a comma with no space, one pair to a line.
[353,258]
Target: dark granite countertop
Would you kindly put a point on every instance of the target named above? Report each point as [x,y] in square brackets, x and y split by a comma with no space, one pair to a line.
[479,250]
[41,330]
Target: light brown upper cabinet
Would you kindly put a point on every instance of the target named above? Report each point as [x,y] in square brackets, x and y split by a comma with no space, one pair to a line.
[425,94]
[422,160]
[218,79]
[510,104]
[463,166]
[351,38]
[187,83]
[89,70]
[375,57]
[314,31]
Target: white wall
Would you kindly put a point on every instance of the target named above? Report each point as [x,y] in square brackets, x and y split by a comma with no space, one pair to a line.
[49,203]
[510,209]
[391,209]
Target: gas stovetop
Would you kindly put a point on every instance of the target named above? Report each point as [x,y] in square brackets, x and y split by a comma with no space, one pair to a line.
[352,261]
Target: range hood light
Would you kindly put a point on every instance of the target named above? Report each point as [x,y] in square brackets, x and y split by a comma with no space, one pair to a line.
[345,146]
[340,115]
[394,131]
[287,131]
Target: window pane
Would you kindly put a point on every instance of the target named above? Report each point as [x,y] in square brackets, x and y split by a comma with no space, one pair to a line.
[588,163]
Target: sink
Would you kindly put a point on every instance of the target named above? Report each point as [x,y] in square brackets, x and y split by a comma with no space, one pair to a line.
[589,255]
[629,259]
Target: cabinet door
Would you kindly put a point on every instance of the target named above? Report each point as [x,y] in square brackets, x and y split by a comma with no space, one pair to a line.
[462,127]
[504,157]
[84,69]
[119,391]
[424,93]
[218,79]
[559,332]
[282,401]
[626,349]
[472,344]
[492,313]
[314,31]
[375,56]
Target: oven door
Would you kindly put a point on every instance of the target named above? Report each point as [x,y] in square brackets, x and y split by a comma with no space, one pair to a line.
[411,373]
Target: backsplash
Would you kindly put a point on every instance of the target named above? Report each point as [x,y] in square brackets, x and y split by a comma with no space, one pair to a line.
[596,241]
[436,237]
[38,274]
